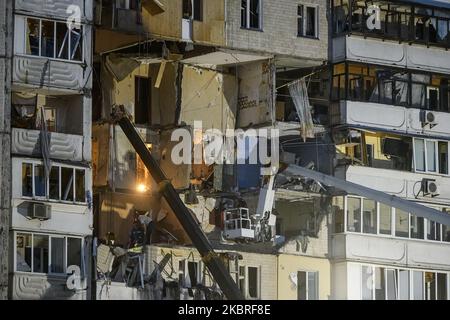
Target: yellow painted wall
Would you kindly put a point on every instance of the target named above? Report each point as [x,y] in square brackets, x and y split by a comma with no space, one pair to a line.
[168,23]
[294,263]
[163,98]
[210,97]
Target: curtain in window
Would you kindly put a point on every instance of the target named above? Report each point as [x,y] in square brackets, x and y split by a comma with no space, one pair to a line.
[299,94]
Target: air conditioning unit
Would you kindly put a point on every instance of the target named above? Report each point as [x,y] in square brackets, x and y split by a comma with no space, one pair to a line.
[40,211]
[428,118]
[430,187]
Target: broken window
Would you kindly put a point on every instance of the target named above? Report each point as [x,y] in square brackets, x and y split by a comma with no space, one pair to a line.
[193,273]
[53,39]
[40,254]
[307,21]
[80,185]
[32,254]
[27,179]
[33,35]
[23,252]
[48,39]
[307,285]
[417,227]
[354,214]
[57,255]
[388,85]
[401,223]
[369,216]
[76,44]
[39,181]
[62,43]
[311,22]
[142,103]
[66,184]
[251,14]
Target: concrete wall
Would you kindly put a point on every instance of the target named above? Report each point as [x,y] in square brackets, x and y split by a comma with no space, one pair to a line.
[395,252]
[288,264]
[400,120]
[210,97]
[414,57]
[399,183]
[279,30]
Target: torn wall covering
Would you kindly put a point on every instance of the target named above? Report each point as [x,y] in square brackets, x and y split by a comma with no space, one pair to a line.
[254,94]
[162,99]
[210,97]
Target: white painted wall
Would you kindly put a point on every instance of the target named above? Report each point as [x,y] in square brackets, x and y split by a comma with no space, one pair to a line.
[374,51]
[393,118]
[392,251]
[400,183]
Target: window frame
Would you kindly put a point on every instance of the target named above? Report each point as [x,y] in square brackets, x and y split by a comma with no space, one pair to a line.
[316,283]
[245,278]
[55,53]
[47,183]
[248,15]
[438,228]
[436,155]
[305,21]
[50,236]
[410,277]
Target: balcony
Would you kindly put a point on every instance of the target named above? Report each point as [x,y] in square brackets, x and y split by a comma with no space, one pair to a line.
[27,286]
[389,118]
[62,146]
[38,72]
[384,250]
[399,183]
[55,8]
[373,51]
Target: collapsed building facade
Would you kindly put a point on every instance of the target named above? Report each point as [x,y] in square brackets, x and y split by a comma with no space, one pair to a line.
[234,65]
[319,80]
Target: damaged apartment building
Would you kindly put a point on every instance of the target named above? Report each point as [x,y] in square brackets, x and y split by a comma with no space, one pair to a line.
[171,64]
[318,72]
[46,216]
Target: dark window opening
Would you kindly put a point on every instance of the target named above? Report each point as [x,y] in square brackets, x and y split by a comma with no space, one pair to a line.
[253,282]
[311,22]
[27,179]
[54,183]
[142,105]
[67,184]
